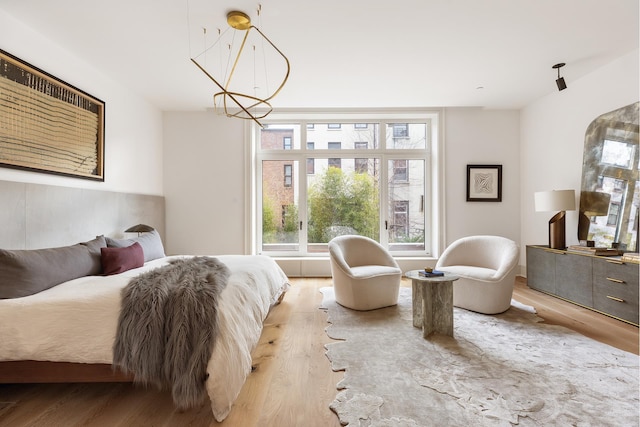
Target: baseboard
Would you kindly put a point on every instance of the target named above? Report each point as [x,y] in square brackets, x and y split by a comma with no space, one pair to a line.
[320,266]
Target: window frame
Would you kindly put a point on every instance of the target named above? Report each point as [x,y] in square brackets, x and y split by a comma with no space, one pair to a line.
[434,179]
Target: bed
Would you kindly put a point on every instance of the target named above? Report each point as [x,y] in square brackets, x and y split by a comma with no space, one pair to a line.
[74,323]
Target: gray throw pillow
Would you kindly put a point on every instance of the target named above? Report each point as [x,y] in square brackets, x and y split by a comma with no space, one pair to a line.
[29,271]
[151,244]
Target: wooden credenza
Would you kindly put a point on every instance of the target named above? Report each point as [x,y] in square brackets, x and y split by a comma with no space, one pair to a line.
[604,284]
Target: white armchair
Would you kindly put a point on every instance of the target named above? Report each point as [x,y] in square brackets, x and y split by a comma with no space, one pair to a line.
[486,267]
[365,275]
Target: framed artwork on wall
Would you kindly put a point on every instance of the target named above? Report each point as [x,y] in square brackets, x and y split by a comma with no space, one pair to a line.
[484,183]
[47,125]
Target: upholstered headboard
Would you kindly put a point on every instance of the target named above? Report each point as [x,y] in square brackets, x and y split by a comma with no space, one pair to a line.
[37,216]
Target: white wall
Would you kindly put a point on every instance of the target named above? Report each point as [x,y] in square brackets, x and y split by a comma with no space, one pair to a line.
[205,181]
[488,137]
[133,128]
[552,134]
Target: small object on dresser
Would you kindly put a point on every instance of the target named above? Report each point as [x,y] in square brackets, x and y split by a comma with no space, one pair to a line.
[588,243]
[631,256]
[430,272]
[593,250]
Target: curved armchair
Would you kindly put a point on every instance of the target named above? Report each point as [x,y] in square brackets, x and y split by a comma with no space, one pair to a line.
[486,267]
[365,275]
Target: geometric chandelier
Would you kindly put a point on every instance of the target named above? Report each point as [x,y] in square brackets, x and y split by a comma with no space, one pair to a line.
[243,63]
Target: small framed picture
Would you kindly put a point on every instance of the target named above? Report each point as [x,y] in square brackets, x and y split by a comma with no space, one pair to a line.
[484,183]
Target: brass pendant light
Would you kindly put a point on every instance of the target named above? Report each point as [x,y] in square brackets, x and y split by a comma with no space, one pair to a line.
[236,102]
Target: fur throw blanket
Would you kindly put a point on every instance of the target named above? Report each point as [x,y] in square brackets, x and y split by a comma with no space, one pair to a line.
[168,326]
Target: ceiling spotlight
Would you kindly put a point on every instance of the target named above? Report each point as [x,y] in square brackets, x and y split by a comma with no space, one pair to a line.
[560,81]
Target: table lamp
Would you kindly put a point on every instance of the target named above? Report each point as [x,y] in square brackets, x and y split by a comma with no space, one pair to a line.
[556,200]
[592,203]
[140,228]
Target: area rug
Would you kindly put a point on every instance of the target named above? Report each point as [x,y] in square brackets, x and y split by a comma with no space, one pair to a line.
[497,370]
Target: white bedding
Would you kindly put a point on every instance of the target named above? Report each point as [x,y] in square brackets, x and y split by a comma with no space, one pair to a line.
[76,321]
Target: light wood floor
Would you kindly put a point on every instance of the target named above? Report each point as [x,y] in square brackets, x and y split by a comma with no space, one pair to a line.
[292,384]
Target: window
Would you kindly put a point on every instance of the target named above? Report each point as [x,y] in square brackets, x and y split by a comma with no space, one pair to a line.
[288,175]
[362,165]
[400,171]
[400,130]
[311,163]
[614,211]
[406,211]
[367,182]
[620,154]
[400,225]
[339,201]
[335,162]
[407,136]
[279,205]
[276,137]
[289,217]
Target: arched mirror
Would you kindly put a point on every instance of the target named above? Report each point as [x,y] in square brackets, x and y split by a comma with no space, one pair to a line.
[610,193]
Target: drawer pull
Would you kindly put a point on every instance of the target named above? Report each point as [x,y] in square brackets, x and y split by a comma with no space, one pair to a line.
[613,261]
[615,299]
[615,280]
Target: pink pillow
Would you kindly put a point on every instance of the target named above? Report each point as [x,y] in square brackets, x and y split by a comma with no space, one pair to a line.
[119,260]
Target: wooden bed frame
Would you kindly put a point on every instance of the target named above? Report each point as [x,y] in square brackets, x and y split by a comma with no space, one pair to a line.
[31,371]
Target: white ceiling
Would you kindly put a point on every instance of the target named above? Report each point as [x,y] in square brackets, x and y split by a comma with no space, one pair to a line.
[351,53]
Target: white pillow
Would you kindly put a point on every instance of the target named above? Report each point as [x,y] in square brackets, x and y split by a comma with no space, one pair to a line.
[151,244]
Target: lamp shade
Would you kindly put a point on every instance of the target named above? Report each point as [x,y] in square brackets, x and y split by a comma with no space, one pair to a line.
[140,228]
[594,203]
[556,200]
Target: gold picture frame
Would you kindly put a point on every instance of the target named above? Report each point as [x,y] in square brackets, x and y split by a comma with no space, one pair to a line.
[47,125]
